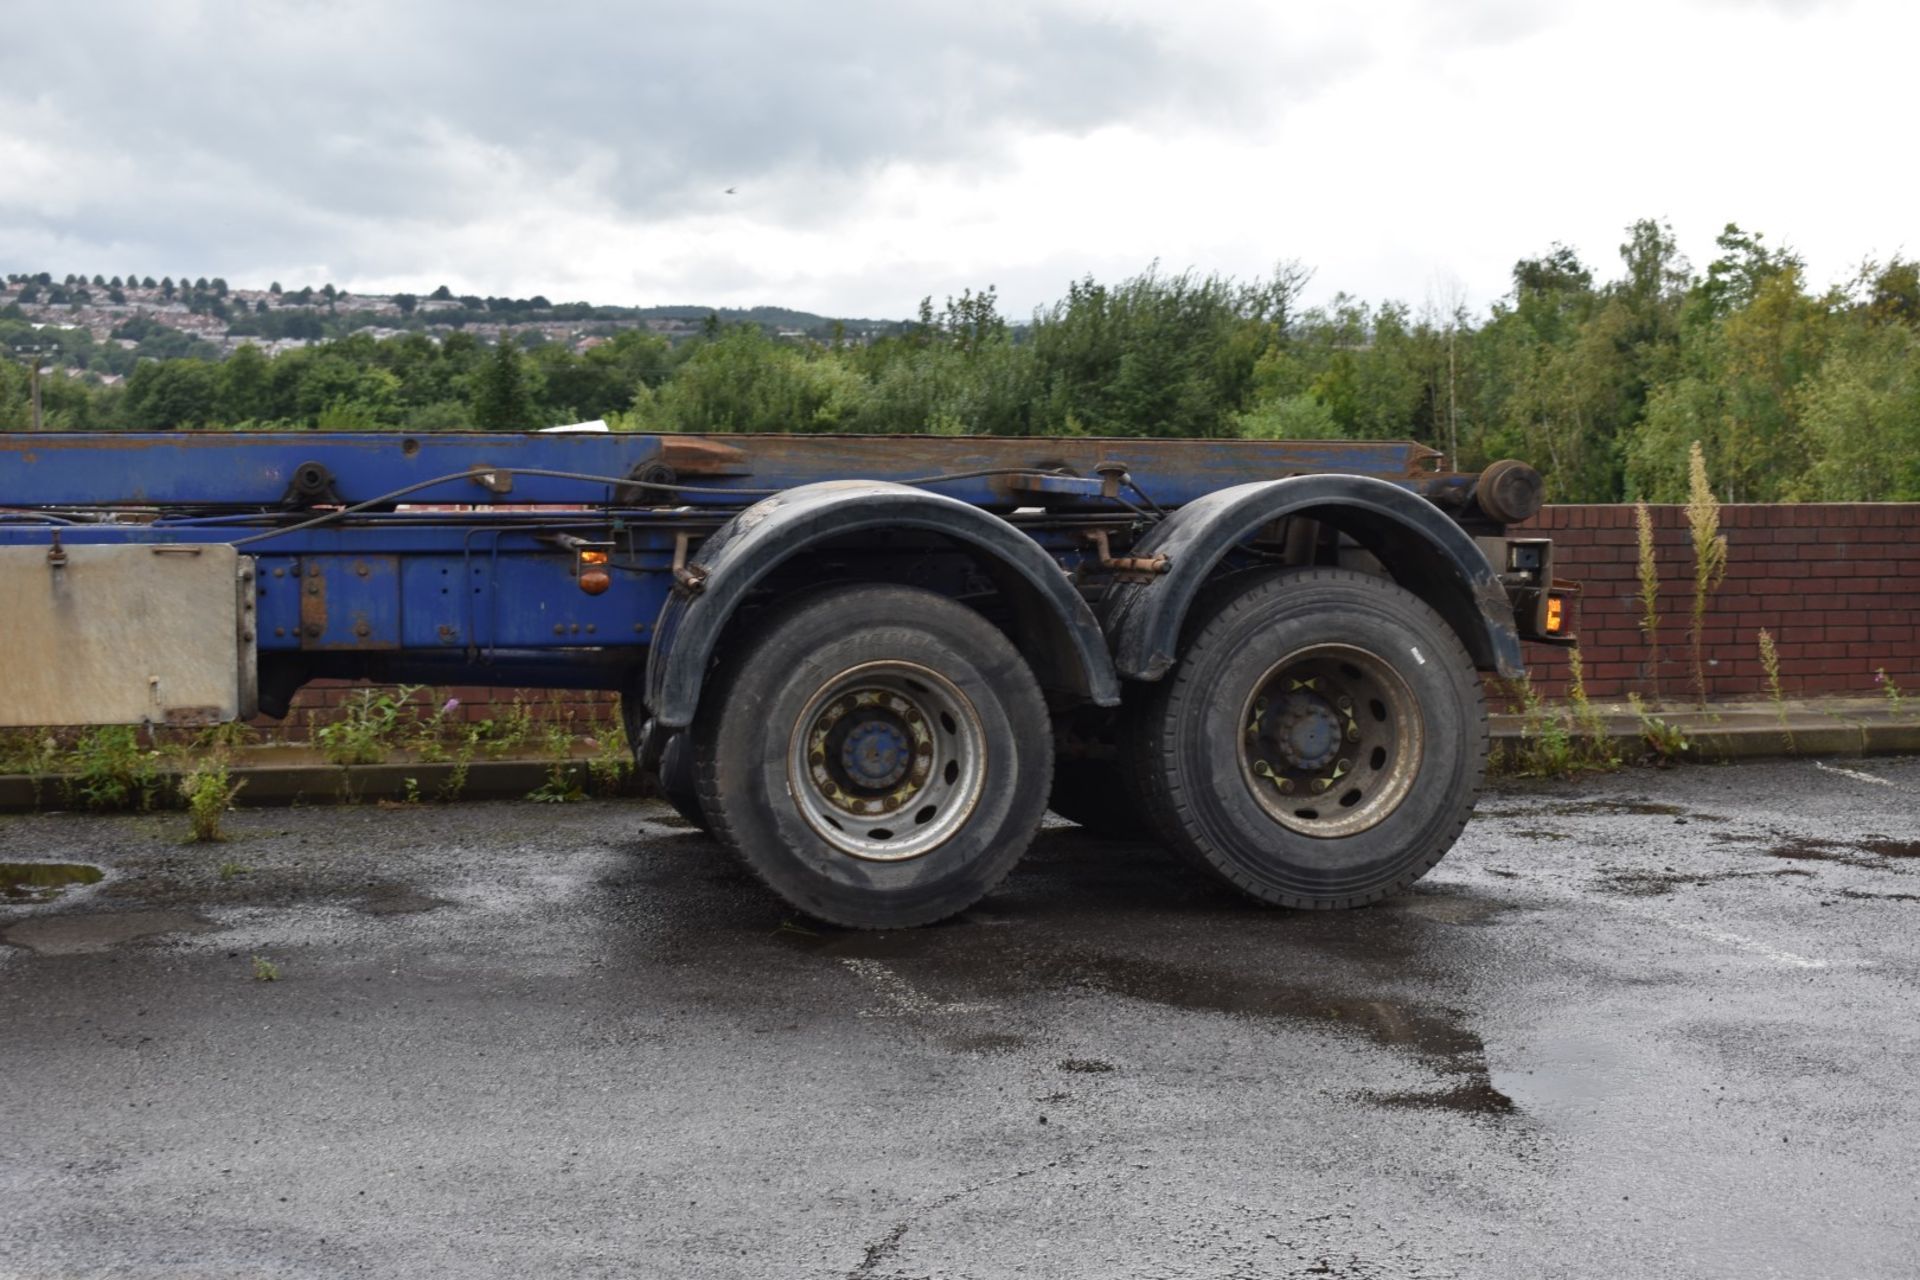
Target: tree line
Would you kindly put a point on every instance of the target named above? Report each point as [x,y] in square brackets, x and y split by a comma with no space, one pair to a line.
[1794,394]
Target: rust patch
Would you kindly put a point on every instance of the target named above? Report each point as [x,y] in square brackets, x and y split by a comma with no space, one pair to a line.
[694,456]
[313,605]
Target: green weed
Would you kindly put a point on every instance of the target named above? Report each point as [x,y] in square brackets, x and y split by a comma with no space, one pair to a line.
[1546,749]
[368,723]
[1770,663]
[1649,573]
[1595,748]
[1709,558]
[427,738]
[501,737]
[456,780]
[563,781]
[265,970]
[612,764]
[1666,743]
[1887,686]
[108,769]
[209,791]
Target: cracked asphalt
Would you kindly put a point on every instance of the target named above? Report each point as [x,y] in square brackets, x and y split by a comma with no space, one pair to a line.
[1639,1025]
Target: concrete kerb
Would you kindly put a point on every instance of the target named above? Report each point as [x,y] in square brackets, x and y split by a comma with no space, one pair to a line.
[269,783]
[1721,731]
[1755,730]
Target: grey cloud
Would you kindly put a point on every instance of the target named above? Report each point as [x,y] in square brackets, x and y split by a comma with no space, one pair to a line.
[212,131]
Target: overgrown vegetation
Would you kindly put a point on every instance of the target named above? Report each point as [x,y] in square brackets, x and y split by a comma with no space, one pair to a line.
[367,726]
[109,769]
[1792,392]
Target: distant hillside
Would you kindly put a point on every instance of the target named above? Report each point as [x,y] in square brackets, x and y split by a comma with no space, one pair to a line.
[107,324]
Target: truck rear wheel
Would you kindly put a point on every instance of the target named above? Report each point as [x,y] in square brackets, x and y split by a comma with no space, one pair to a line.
[676,781]
[1320,743]
[879,756]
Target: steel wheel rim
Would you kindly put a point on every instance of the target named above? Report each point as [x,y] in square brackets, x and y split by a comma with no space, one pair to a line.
[887,761]
[1330,740]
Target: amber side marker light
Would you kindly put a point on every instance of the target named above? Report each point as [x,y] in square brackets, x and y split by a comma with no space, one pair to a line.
[593,576]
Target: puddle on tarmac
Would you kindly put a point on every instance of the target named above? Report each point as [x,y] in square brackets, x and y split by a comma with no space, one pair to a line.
[1809,850]
[958,961]
[1812,849]
[1433,1034]
[1475,1097]
[76,933]
[43,881]
[1653,884]
[1603,809]
[390,899]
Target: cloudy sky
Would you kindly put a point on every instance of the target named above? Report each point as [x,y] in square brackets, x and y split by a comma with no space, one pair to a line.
[880,151]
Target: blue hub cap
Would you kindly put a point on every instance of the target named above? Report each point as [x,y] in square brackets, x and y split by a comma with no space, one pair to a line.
[875,754]
[1310,733]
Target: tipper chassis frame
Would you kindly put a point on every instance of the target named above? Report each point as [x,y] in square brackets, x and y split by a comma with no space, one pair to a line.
[867,664]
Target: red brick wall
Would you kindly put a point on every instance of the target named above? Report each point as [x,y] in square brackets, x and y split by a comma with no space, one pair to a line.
[1838,585]
[586,710]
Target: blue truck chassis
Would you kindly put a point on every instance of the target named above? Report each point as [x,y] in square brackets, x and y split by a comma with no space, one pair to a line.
[866,664]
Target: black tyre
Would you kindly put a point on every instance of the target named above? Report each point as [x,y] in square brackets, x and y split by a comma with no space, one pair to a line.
[673,776]
[676,781]
[879,755]
[1320,743]
[1096,794]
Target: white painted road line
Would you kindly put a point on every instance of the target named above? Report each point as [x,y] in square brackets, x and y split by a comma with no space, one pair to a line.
[902,997]
[1855,774]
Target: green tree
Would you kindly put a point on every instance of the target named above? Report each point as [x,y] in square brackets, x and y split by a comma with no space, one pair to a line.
[746,381]
[501,400]
[172,394]
[243,385]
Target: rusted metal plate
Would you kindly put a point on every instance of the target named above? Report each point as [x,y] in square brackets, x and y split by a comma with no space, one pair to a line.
[125,635]
[350,602]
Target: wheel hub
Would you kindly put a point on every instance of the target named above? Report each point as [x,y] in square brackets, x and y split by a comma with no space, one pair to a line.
[1306,731]
[875,752]
[887,761]
[1331,739]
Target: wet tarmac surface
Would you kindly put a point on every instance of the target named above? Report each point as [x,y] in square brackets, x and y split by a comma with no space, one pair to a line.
[1643,1025]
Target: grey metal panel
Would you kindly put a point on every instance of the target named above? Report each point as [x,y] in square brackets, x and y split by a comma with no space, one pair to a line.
[125,635]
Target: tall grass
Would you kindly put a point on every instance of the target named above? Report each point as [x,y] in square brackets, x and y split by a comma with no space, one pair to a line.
[1709,558]
[1649,591]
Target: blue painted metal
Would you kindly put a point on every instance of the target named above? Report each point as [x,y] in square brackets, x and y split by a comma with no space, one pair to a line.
[484,586]
[233,469]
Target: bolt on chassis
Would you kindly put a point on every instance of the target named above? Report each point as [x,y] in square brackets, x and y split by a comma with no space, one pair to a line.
[867,665]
